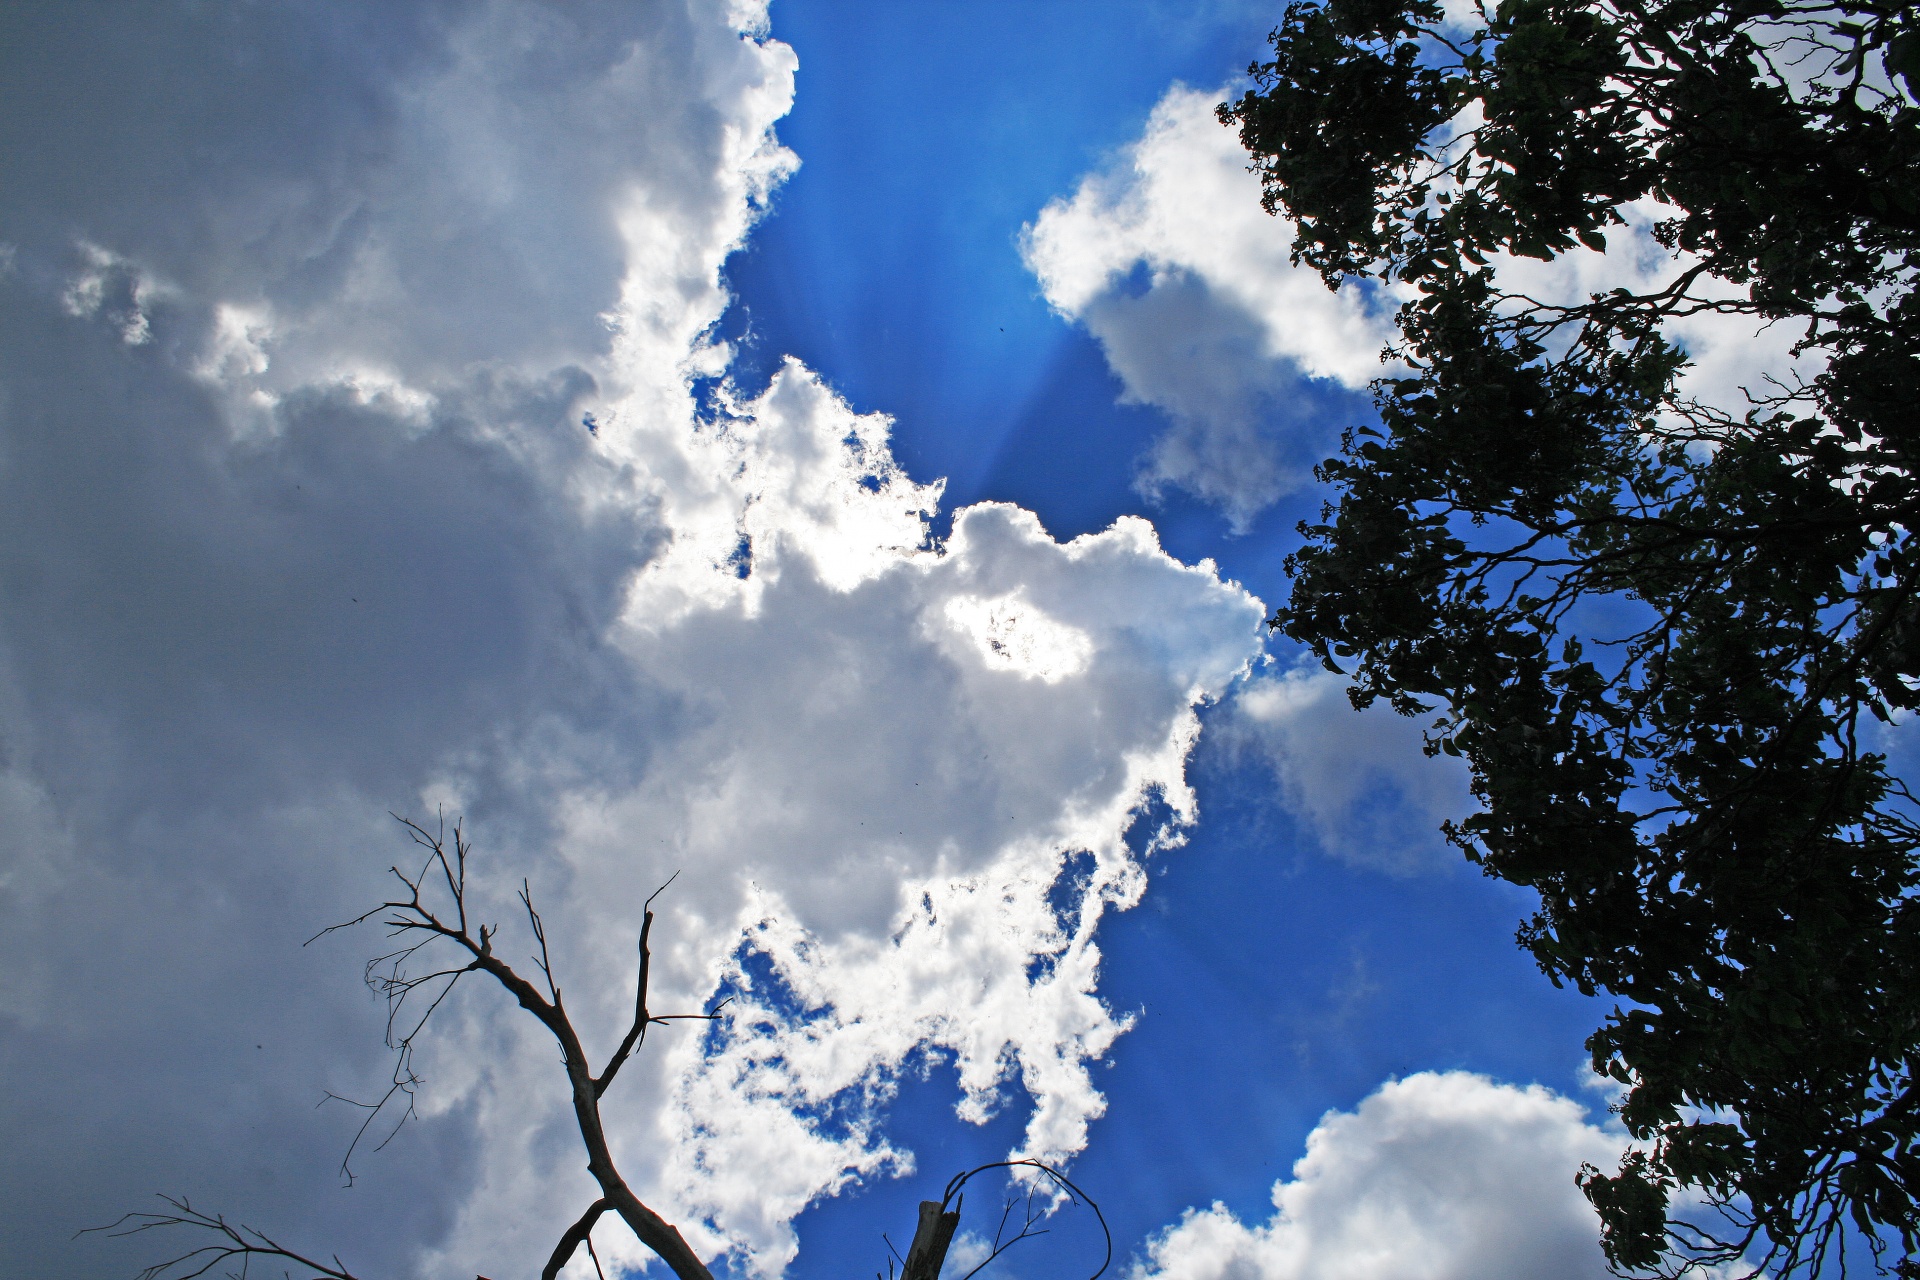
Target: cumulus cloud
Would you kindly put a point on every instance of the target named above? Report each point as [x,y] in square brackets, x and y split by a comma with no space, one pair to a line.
[301,521]
[1437,1176]
[1360,781]
[1169,261]
[897,777]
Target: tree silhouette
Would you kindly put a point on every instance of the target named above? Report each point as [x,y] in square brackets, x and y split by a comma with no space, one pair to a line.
[1669,634]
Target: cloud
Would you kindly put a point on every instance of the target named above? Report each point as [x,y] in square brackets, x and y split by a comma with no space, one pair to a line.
[1436,1176]
[899,799]
[1169,261]
[1729,355]
[1360,781]
[300,522]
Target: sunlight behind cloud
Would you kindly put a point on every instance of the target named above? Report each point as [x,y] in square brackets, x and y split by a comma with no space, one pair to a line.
[1013,635]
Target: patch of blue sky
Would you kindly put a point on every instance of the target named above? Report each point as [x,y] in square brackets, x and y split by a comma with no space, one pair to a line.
[929,134]
[1270,983]
[1269,986]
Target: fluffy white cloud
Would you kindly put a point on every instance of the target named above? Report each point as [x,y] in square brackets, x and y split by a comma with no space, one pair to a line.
[1360,781]
[300,522]
[1440,1176]
[1168,259]
[879,801]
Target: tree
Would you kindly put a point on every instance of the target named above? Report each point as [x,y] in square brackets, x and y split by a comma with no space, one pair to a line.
[1667,633]
[431,921]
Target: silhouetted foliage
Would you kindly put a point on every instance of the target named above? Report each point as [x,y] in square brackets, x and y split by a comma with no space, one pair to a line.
[1667,635]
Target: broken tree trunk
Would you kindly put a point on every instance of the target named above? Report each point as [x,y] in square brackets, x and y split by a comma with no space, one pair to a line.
[928,1252]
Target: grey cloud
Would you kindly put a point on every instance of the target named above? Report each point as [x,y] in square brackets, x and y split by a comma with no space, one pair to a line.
[423,185]
[1360,781]
[250,603]
[229,642]
[231,659]
[1202,357]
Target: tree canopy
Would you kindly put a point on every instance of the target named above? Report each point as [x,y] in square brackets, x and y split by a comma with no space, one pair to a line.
[1675,634]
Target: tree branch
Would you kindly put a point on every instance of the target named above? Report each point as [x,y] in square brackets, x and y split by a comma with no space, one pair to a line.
[232,1240]
[575,1236]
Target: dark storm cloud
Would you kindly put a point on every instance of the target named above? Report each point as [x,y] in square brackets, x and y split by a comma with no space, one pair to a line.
[230,638]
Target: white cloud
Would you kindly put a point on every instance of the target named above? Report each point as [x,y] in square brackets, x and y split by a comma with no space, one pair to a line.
[1729,355]
[794,474]
[899,804]
[1182,199]
[299,523]
[1169,260]
[1360,781]
[1440,1176]
[110,286]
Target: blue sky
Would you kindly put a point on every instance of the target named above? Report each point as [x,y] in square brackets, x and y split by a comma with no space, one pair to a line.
[953,406]
[1275,985]
[893,263]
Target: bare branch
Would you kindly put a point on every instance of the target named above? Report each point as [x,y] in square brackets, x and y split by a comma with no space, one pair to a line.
[231,1240]
[576,1235]
[434,910]
[544,960]
[637,1033]
[389,975]
[940,1218]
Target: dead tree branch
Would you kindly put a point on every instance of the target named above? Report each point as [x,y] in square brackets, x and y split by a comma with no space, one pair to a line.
[431,913]
[1073,1194]
[231,1240]
[940,1218]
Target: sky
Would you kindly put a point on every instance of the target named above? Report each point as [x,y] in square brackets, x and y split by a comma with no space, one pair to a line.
[839,455]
